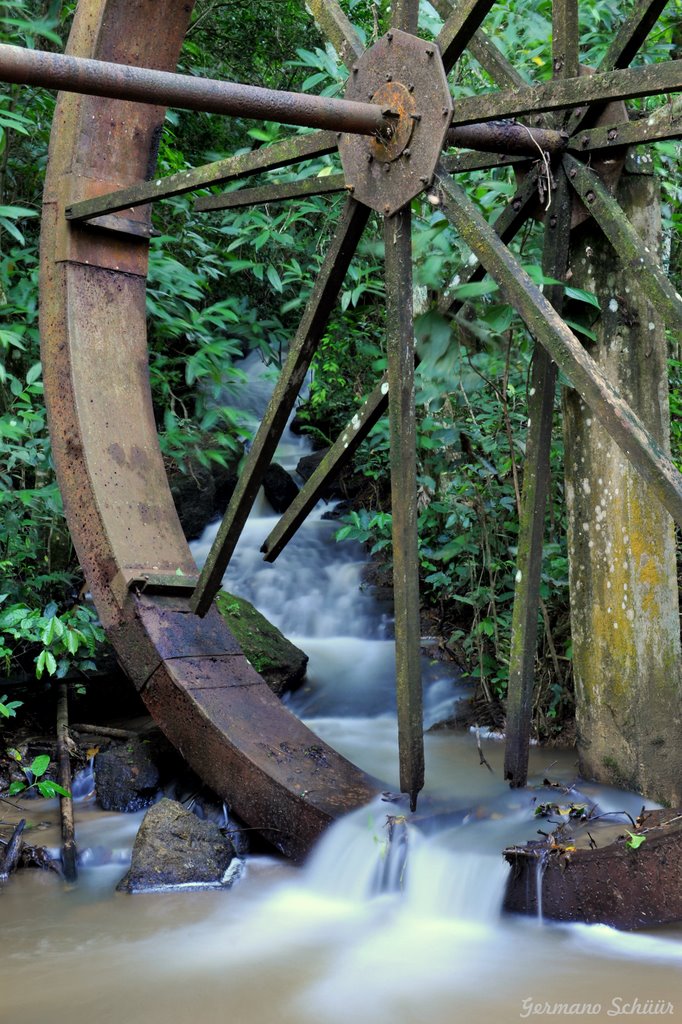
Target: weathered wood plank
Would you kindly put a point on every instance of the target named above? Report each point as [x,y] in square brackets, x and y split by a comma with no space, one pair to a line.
[280,154]
[402,420]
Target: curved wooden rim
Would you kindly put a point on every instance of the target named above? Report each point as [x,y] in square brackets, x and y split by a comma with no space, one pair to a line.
[191,673]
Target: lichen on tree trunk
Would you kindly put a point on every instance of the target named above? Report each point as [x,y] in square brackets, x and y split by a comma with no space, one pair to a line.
[622,566]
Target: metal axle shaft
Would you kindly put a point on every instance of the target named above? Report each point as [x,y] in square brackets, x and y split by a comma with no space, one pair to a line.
[123,82]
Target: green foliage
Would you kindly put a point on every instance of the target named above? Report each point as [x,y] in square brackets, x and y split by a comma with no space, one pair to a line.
[35,779]
[633,842]
[8,709]
[56,643]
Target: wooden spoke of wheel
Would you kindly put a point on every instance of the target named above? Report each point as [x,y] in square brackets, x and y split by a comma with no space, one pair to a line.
[582,372]
[403,440]
[338,29]
[315,318]
[507,225]
[538,443]
[465,19]
[662,123]
[486,53]
[405,15]
[280,154]
[275,193]
[624,47]
[630,83]
[628,245]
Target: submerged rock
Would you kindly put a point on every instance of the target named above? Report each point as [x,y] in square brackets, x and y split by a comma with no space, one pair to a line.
[129,775]
[281,664]
[173,848]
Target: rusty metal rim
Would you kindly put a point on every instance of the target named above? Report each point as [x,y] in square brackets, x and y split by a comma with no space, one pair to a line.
[271,769]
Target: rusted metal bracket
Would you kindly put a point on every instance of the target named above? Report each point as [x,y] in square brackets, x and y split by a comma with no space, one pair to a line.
[405,74]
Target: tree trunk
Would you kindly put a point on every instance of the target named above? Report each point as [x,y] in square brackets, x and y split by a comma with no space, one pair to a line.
[623,585]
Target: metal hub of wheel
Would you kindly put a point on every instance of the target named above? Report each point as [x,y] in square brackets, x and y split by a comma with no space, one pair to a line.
[405,77]
[393,130]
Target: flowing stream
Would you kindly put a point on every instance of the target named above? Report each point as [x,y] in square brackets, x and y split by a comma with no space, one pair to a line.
[368,930]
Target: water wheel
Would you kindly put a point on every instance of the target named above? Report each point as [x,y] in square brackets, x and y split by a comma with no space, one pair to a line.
[393,131]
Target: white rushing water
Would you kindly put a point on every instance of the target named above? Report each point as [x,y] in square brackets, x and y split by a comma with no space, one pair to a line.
[371,929]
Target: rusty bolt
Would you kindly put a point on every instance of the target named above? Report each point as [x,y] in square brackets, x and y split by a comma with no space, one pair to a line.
[445,111]
[613,135]
[590,197]
[410,87]
[552,222]
[387,208]
[387,168]
[585,141]
[350,188]
[407,153]
[355,69]
[572,173]
[516,205]
[370,95]
[424,180]
[339,135]
[370,158]
[429,52]
[389,78]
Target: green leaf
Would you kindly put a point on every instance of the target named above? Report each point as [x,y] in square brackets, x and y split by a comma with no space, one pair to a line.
[274,278]
[39,765]
[33,373]
[16,787]
[634,842]
[49,789]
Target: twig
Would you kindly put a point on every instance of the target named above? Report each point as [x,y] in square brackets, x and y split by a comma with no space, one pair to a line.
[105,730]
[480,752]
[64,774]
[12,852]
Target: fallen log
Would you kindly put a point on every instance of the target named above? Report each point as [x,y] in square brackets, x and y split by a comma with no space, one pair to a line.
[10,857]
[633,882]
[65,799]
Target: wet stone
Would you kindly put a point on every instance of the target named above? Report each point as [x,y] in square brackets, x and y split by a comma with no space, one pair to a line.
[174,849]
[129,775]
[280,487]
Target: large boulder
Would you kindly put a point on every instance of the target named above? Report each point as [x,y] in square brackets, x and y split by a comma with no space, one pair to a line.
[347,484]
[173,848]
[201,495]
[280,487]
[281,664]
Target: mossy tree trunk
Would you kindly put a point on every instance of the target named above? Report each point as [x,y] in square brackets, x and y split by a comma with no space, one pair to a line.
[623,585]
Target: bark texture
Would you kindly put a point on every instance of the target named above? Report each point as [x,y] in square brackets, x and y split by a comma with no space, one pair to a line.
[622,565]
